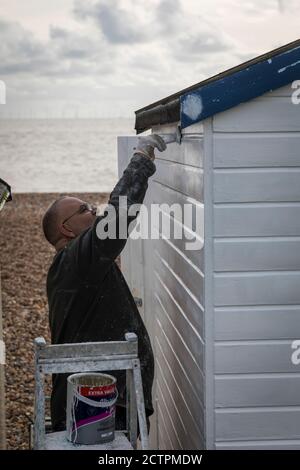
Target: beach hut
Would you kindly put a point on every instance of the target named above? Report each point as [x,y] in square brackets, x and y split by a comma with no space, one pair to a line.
[223,318]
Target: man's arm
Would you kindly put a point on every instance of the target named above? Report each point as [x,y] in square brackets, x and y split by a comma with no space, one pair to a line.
[95,255]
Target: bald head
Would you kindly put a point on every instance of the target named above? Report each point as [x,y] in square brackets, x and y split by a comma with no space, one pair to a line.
[51,221]
[69,209]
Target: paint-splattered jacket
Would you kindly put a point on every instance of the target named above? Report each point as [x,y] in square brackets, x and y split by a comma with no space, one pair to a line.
[89,299]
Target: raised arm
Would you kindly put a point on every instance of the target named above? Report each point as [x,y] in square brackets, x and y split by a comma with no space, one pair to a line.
[94,254]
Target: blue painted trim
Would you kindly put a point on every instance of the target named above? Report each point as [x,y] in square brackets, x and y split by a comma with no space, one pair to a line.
[244,85]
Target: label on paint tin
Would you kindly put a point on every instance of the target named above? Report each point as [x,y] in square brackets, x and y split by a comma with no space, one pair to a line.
[97,391]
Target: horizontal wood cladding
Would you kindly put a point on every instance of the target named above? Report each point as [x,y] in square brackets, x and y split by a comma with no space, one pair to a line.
[260,115]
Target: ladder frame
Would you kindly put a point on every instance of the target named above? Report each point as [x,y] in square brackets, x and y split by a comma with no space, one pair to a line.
[92,357]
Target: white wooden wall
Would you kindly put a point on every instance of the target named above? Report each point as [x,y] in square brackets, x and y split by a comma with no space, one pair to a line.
[179,300]
[171,284]
[136,264]
[256,262]
[222,319]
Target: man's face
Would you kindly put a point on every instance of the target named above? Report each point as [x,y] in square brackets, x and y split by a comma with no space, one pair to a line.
[75,216]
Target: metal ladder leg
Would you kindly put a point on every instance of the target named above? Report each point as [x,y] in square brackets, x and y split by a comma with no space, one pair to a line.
[39,401]
[131,413]
[138,385]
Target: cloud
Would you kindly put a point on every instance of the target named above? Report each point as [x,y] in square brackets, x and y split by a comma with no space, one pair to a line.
[201,45]
[65,55]
[131,22]
[168,16]
[124,54]
[19,51]
[76,46]
[128,37]
[119,24]
[158,40]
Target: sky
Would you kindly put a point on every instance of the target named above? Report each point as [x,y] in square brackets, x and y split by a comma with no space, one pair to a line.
[109,58]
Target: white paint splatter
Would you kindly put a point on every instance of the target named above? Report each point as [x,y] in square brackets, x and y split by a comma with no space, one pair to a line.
[291,65]
[291,50]
[269,61]
[192,106]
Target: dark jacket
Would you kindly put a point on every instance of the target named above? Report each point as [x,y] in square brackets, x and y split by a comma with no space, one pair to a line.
[89,299]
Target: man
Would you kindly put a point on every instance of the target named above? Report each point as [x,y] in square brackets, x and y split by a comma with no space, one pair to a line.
[89,299]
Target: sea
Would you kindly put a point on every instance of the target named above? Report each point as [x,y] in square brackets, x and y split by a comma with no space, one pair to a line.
[61,155]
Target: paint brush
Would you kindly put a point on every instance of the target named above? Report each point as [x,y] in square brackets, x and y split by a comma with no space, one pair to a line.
[174,137]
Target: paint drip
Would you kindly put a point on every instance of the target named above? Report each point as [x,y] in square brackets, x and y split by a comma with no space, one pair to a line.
[91,408]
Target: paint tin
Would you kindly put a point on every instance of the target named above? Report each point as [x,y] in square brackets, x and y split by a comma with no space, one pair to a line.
[91,408]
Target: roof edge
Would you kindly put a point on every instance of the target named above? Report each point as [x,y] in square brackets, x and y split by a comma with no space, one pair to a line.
[160,114]
[167,110]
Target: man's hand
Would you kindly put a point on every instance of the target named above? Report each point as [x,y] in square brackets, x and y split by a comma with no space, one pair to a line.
[147,144]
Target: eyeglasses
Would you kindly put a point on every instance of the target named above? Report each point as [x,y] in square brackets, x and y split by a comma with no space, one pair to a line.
[82,209]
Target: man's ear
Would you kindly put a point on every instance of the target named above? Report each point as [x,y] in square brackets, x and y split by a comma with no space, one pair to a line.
[66,232]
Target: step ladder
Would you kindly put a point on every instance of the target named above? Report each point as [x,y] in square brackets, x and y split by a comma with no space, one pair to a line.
[91,357]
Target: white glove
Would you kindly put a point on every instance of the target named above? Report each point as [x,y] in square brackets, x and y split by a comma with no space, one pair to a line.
[147,144]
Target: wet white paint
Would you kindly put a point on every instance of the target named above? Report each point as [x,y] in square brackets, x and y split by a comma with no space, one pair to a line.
[192,106]
[290,65]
